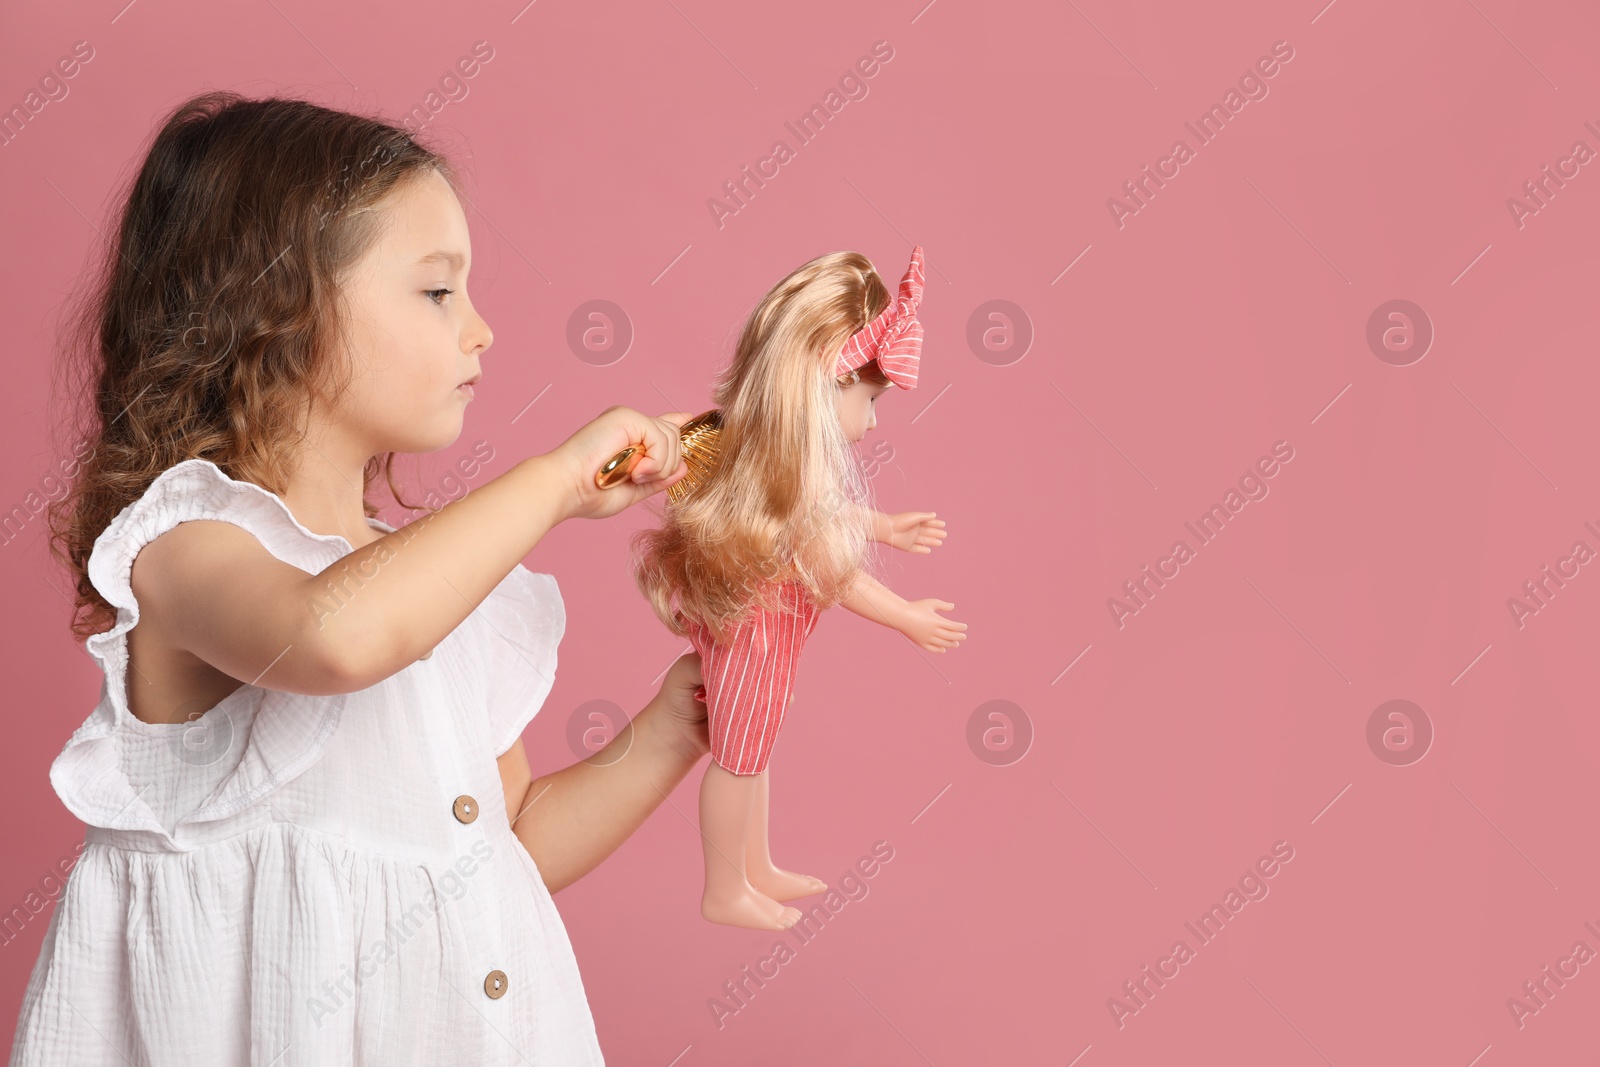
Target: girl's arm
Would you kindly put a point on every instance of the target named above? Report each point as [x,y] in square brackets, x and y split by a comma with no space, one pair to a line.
[919,620]
[220,595]
[574,818]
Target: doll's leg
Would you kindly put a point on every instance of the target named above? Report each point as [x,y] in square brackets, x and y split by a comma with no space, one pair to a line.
[771,880]
[727,802]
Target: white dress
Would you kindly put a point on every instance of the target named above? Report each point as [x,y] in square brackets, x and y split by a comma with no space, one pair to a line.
[306,880]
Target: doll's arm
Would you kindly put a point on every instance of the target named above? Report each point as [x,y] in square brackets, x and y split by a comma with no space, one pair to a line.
[911,531]
[919,620]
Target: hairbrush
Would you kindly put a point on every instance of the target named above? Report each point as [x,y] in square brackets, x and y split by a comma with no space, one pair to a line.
[699,450]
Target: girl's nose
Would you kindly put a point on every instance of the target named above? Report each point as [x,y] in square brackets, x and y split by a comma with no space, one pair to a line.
[478,336]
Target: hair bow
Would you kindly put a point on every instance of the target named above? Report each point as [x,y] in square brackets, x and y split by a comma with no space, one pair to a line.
[894,338]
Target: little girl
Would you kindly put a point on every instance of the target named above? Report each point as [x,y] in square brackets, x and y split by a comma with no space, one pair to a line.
[344,859]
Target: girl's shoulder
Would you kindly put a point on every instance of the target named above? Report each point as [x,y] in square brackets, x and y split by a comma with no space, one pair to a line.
[199,489]
[189,490]
[511,643]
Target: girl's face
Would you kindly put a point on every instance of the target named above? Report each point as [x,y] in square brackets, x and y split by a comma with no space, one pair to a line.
[857,410]
[414,338]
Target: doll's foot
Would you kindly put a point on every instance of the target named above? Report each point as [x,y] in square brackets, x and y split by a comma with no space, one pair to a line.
[749,909]
[780,884]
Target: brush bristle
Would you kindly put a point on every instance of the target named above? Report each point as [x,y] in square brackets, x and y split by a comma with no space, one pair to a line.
[700,453]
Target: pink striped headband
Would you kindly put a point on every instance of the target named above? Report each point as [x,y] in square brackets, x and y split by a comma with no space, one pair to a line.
[894,338]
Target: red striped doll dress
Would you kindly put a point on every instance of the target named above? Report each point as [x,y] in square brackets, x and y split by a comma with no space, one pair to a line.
[749,680]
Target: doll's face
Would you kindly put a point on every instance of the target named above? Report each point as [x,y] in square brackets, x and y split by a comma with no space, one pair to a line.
[857,407]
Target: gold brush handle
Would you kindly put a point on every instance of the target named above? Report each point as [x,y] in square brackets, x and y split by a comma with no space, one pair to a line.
[616,469]
[700,430]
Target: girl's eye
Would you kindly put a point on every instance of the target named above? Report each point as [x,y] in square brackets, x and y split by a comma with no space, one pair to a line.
[431,294]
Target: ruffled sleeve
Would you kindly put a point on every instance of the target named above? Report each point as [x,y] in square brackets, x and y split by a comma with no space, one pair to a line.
[525,617]
[262,737]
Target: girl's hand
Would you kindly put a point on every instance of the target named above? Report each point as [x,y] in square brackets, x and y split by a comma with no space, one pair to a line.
[684,712]
[925,626]
[586,451]
[914,531]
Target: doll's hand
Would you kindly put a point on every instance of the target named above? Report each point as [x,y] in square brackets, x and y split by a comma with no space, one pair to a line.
[915,531]
[924,625]
[586,451]
[684,712]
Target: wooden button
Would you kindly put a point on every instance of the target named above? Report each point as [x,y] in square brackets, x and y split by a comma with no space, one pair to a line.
[466,809]
[495,985]
[426,654]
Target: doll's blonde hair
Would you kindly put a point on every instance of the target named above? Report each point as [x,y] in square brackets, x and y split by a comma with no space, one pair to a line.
[787,499]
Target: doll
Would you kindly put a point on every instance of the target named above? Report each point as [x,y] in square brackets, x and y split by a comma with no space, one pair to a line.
[774,532]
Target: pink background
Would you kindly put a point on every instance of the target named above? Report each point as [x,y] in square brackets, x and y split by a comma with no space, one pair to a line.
[1228,314]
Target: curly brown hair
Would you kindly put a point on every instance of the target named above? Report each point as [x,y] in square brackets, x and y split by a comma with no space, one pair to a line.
[213,315]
